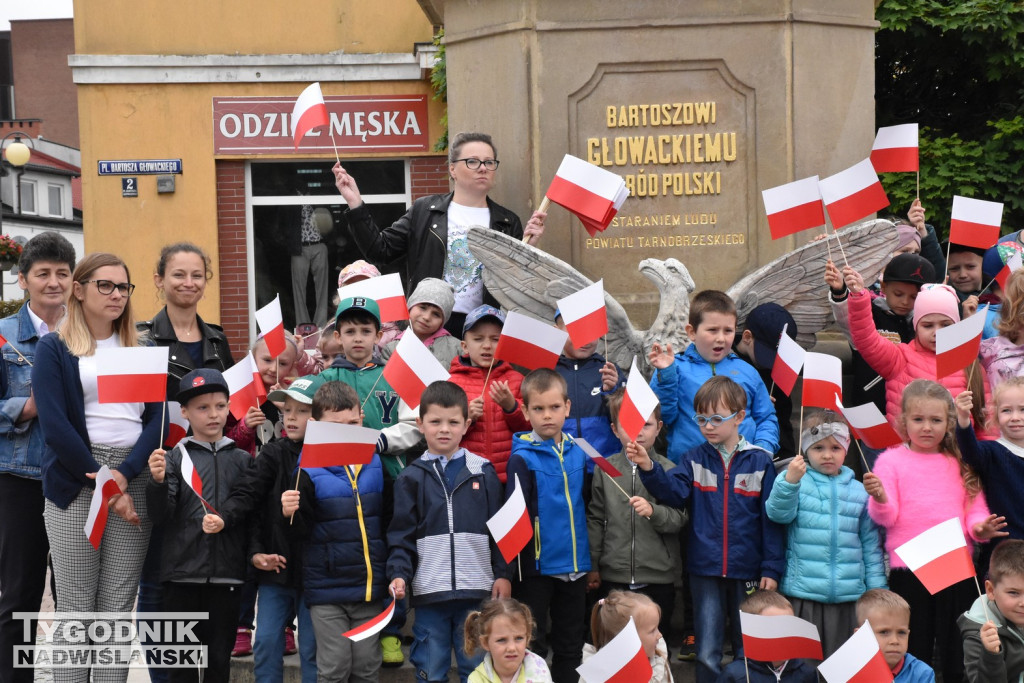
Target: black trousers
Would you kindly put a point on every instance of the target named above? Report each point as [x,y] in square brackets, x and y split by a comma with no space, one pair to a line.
[217,633]
[23,549]
[559,605]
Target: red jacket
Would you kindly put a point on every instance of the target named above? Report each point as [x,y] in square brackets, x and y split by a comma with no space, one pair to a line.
[491,435]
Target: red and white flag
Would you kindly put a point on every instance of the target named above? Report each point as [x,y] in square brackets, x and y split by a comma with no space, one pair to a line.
[852,194]
[895,149]
[98,510]
[768,639]
[529,342]
[332,444]
[975,222]
[189,475]
[600,461]
[939,557]
[793,207]
[590,192]
[386,290]
[858,660]
[823,380]
[309,112]
[136,374]
[789,359]
[373,626]
[510,526]
[177,428]
[584,314]
[411,368]
[638,402]
[271,325]
[622,660]
[957,346]
[869,425]
[246,386]
[1012,265]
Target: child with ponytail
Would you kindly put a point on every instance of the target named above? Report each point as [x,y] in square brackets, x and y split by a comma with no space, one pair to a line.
[502,629]
[611,615]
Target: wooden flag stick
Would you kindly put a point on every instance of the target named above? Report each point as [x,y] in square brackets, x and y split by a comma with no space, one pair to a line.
[612,480]
[799,447]
[984,598]
[163,421]
[745,667]
[298,473]
[335,143]
[827,245]
[368,395]
[487,377]
[841,250]
[867,468]
[544,204]
[19,354]
[970,375]
[945,279]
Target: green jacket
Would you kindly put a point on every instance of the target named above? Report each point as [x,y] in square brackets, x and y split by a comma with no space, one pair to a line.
[982,666]
[625,547]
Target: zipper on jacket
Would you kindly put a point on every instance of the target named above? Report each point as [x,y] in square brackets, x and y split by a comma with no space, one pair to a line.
[354,483]
[568,500]
[439,471]
[632,529]
[536,542]
[833,546]
[575,398]
[725,512]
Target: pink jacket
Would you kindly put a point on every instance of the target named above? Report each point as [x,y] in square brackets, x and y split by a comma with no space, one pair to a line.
[924,489]
[898,364]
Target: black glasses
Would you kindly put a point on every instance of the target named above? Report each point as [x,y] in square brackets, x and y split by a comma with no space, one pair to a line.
[474,164]
[107,287]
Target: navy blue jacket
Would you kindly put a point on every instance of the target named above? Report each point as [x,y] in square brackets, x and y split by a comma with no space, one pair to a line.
[796,671]
[588,414]
[21,452]
[61,406]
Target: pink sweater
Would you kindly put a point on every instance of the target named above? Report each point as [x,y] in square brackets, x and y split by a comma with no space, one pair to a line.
[924,489]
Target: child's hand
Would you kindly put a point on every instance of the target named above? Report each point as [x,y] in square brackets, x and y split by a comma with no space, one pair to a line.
[964,403]
[833,278]
[916,217]
[397,588]
[609,376]
[854,280]
[502,395]
[661,358]
[254,417]
[593,580]
[642,506]
[637,454]
[990,637]
[873,485]
[269,562]
[796,470]
[212,524]
[970,306]
[990,528]
[158,465]
[476,408]
[289,503]
[501,589]
[768,584]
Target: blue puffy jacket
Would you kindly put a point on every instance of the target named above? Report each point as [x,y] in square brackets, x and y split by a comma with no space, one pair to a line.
[833,551]
[588,414]
[677,384]
[730,534]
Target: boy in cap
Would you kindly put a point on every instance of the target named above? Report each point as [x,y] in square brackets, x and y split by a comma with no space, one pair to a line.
[430,306]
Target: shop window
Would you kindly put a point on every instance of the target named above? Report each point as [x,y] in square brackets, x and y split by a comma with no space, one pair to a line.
[296,205]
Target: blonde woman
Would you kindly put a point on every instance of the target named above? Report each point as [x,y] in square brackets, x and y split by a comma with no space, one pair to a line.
[82,434]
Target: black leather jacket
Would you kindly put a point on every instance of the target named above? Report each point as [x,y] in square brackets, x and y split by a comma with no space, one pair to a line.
[216,353]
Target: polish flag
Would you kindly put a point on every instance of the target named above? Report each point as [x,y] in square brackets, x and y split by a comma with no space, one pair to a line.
[98,510]
[957,346]
[529,342]
[308,113]
[386,290]
[622,660]
[939,556]
[271,325]
[373,626]
[3,340]
[332,444]
[411,368]
[858,660]
[793,207]
[869,425]
[189,475]
[599,460]
[137,374]
[510,526]
[975,222]
[638,402]
[823,380]
[1013,264]
[177,429]
[584,314]
[789,359]
[768,639]
[590,192]
[246,386]
[852,194]
[895,149]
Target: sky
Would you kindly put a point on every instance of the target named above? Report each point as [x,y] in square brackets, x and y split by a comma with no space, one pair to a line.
[32,9]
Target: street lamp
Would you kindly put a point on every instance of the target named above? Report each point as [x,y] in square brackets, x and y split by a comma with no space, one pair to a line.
[15,155]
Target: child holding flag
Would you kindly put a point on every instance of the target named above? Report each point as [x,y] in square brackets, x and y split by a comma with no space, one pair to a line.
[430,306]
[913,488]
[768,604]
[1002,356]
[833,552]
[201,573]
[993,629]
[889,617]
[612,614]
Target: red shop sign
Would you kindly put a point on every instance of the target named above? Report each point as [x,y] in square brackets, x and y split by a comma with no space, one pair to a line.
[262,125]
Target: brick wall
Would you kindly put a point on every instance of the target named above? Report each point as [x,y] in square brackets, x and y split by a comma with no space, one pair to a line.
[428,175]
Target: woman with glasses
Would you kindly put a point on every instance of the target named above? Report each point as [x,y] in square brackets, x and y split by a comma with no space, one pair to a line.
[81,434]
[432,234]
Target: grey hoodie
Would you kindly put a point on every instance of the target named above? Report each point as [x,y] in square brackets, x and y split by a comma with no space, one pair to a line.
[980,665]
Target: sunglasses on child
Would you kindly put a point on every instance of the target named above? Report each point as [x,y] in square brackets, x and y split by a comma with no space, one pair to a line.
[715,420]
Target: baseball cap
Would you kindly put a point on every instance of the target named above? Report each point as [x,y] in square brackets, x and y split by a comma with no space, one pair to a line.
[479,313]
[302,390]
[359,303]
[765,323]
[910,268]
[199,382]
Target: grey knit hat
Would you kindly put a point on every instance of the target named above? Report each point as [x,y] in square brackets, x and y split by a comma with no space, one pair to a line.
[431,290]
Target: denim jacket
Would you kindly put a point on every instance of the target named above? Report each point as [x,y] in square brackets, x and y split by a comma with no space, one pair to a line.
[21,445]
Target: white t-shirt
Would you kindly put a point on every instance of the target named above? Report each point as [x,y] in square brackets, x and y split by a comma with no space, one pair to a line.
[462,270]
[110,424]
